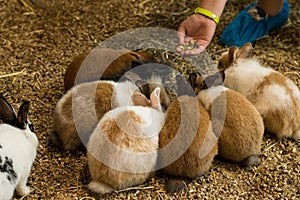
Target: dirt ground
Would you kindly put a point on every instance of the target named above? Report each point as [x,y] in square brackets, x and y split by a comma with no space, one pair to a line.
[38,40]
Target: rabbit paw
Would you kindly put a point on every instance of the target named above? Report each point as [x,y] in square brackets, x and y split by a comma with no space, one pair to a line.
[24,191]
[100,187]
[296,135]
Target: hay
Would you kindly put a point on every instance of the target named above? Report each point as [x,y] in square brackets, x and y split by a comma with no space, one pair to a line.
[23,72]
[43,36]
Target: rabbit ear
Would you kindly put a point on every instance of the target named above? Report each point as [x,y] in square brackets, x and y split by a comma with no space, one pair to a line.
[140,100]
[7,112]
[155,99]
[135,55]
[193,80]
[144,87]
[232,55]
[245,51]
[22,115]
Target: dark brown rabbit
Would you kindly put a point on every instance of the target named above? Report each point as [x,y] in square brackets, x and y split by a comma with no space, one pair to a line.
[101,63]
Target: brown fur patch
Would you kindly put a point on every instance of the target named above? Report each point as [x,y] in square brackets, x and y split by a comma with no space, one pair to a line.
[272,79]
[67,108]
[242,131]
[100,61]
[79,101]
[125,133]
[103,98]
[223,62]
[182,118]
[282,122]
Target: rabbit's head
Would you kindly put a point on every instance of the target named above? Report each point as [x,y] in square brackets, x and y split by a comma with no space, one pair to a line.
[199,83]
[140,99]
[148,87]
[234,54]
[20,120]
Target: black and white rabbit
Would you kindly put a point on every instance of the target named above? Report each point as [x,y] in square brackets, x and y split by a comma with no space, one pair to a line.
[18,147]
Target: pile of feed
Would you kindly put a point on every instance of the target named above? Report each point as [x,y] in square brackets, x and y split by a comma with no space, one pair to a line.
[39,38]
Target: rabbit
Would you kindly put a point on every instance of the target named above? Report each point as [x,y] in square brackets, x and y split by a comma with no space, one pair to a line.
[18,148]
[276,97]
[122,150]
[88,102]
[187,142]
[147,68]
[101,63]
[236,122]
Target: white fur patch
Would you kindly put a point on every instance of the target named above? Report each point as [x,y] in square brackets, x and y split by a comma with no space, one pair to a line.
[294,88]
[245,76]
[274,97]
[123,93]
[209,95]
[151,120]
[155,79]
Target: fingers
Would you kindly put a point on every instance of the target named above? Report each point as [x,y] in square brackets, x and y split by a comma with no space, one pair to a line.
[193,52]
[192,47]
[184,40]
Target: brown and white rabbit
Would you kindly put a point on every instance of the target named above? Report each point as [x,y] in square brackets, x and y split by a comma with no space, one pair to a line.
[80,109]
[18,147]
[187,142]
[235,120]
[122,150]
[109,64]
[275,96]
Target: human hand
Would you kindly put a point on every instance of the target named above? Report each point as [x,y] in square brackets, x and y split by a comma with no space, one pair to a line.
[196,27]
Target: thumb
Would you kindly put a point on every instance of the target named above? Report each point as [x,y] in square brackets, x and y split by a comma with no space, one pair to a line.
[181,33]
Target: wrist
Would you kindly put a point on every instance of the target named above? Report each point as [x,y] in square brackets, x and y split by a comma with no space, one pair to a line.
[207,14]
[214,6]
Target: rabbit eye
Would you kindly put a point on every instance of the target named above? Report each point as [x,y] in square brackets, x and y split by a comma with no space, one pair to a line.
[220,64]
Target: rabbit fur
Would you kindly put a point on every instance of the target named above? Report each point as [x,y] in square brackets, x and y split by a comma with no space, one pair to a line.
[122,150]
[187,142]
[18,147]
[236,122]
[88,102]
[101,63]
[276,97]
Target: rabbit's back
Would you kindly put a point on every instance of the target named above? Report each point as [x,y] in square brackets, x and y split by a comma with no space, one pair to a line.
[122,149]
[187,128]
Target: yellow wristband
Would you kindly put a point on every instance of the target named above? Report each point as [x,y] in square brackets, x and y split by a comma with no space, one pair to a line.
[207,13]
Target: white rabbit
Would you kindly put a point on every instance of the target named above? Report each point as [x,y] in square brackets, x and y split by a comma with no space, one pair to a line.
[122,150]
[18,147]
[276,98]
[88,102]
